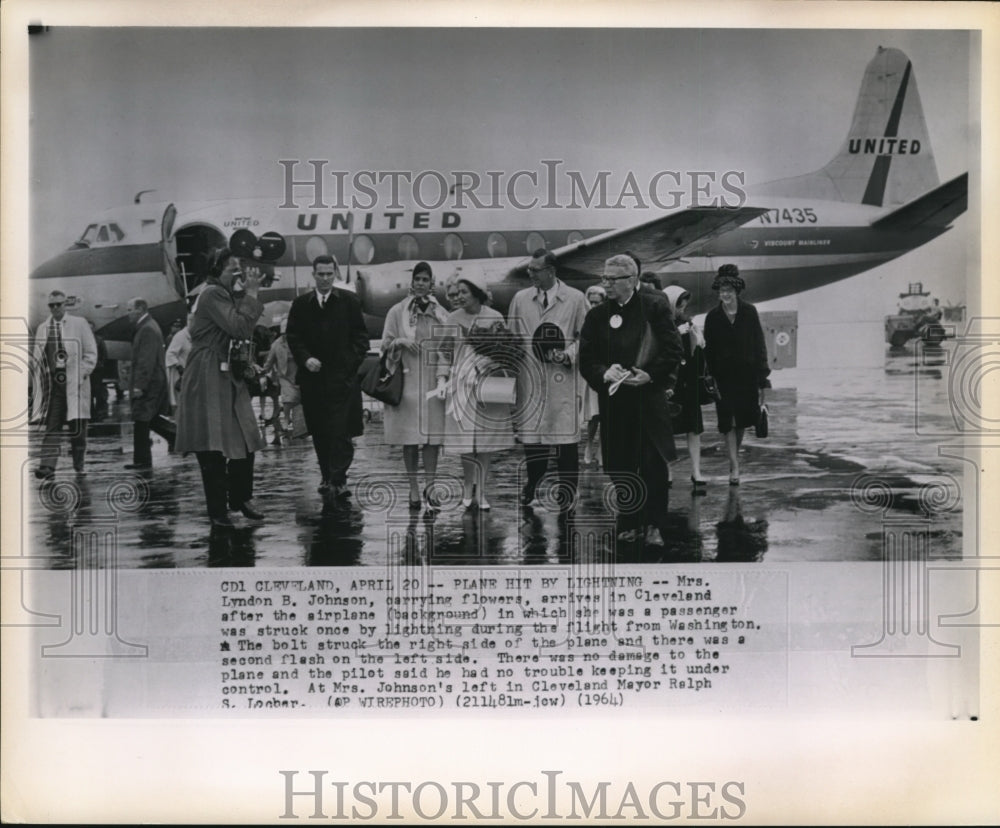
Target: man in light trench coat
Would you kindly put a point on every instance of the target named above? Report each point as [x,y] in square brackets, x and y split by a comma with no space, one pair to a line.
[549,317]
[65,354]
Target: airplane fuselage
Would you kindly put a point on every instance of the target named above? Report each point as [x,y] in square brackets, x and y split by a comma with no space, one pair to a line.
[796,245]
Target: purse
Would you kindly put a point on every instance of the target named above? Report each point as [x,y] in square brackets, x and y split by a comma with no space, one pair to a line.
[380,383]
[762,424]
[496,389]
[709,391]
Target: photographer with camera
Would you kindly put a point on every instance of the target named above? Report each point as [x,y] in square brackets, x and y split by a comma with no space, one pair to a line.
[65,354]
[214,416]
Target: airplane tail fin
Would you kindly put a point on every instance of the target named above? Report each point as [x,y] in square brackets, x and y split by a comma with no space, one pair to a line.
[886,159]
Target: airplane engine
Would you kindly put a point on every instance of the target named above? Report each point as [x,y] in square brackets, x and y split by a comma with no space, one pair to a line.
[379,287]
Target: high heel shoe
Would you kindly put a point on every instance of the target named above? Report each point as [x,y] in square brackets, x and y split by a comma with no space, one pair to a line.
[484,504]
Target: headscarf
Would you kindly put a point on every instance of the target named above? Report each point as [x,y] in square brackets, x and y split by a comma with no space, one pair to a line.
[674,294]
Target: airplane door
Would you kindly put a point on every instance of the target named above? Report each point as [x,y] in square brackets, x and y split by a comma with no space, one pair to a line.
[174,277]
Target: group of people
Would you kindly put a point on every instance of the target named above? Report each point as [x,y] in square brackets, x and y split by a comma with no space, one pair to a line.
[625,356]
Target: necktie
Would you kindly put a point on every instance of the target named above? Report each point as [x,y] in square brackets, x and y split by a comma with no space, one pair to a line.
[545,300]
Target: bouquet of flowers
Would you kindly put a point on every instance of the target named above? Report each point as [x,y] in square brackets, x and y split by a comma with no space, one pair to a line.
[499,344]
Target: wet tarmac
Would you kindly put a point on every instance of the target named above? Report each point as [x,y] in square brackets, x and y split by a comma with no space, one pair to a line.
[849,450]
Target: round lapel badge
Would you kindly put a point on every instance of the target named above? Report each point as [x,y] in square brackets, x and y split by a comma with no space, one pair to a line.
[616,321]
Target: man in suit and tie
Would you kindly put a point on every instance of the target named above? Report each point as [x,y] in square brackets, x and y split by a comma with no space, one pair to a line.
[328,339]
[549,316]
[65,355]
[148,396]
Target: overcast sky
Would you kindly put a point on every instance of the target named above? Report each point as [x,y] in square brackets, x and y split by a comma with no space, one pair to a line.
[207,113]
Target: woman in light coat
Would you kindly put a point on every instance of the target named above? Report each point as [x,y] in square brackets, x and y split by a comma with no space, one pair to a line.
[417,423]
[473,428]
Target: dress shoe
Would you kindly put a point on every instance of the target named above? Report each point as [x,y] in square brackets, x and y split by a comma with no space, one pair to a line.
[44,472]
[222,522]
[653,537]
[416,505]
[629,535]
[341,492]
[250,511]
[324,487]
[139,466]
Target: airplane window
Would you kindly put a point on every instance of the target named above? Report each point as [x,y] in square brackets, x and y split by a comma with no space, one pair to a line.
[89,234]
[102,234]
[496,244]
[316,246]
[363,249]
[574,237]
[534,241]
[407,247]
[116,231]
[453,246]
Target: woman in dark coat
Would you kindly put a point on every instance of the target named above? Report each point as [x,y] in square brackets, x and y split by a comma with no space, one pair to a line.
[688,393]
[214,416]
[737,358]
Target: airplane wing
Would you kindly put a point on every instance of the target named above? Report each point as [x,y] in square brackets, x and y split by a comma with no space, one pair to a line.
[658,241]
[939,207]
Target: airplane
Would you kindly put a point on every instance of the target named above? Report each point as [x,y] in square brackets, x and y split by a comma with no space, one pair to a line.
[878,198]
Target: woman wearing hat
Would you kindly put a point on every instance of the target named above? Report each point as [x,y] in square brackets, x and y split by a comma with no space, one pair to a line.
[688,391]
[737,358]
[474,428]
[214,416]
[417,423]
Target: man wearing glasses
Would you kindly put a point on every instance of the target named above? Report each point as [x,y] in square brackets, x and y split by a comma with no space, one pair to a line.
[629,354]
[548,316]
[65,355]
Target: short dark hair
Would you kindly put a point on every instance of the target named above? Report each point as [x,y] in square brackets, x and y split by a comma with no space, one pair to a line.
[548,258]
[217,260]
[325,259]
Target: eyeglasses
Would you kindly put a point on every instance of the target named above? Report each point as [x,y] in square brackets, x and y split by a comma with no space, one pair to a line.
[55,305]
[614,278]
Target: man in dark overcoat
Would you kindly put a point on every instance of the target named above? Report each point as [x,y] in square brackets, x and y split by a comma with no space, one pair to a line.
[630,352]
[327,337]
[149,396]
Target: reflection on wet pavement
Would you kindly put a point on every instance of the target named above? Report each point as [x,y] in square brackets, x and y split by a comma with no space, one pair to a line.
[798,499]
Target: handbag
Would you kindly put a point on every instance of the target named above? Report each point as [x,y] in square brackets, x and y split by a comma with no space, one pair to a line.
[496,389]
[709,391]
[762,424]
[380,383]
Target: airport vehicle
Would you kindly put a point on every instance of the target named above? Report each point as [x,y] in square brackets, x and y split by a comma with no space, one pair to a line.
[919,317]
[878,198]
